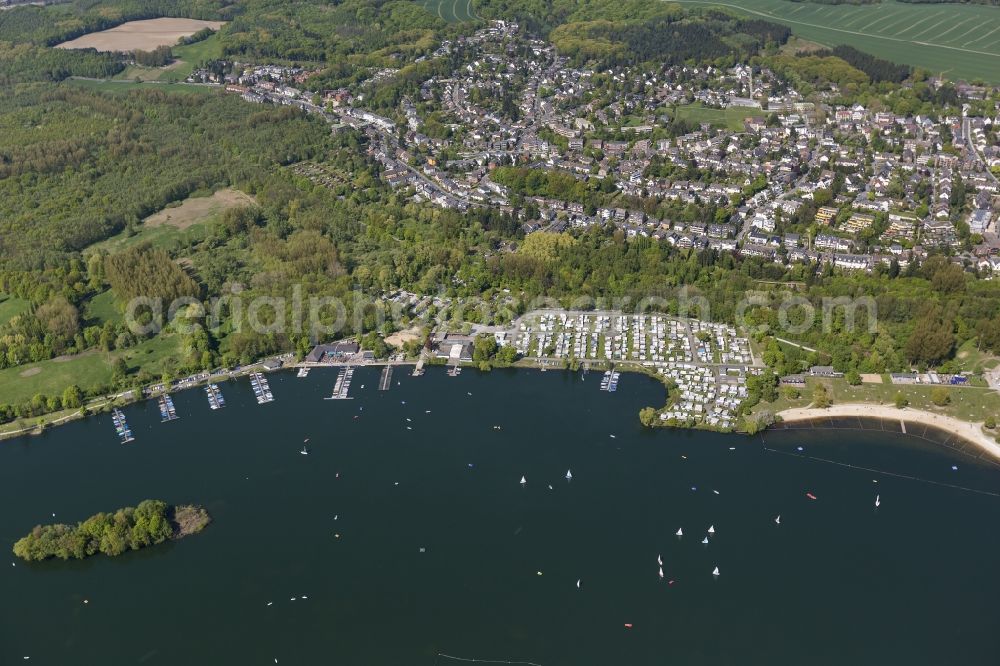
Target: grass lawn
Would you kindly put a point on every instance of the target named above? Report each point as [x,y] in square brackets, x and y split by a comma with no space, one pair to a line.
[191,56]
[166,237]
[967,403]
[731,118]
[50,378]
[88,370]
[155,355]
[102,308]
[972,360]
[179,224]
[959,40]
[10,307]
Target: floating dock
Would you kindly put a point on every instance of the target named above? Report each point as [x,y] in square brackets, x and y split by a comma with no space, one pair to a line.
[343,384]
[215,399]
[167,410]
[609,382]
[261,390]
[303,372]
[121,426]
[386,380]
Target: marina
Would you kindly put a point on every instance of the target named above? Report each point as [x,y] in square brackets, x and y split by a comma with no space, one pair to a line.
[167,410]
[343,384]
[261,389]
[215,399]
[609,382]
[121,426]
[417,515]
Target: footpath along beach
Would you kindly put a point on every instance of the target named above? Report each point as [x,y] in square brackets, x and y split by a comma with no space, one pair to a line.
[973,432]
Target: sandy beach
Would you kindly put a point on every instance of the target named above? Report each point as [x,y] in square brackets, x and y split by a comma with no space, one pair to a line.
[972,432]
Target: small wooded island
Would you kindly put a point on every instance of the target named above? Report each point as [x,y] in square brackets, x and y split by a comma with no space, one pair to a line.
[131,528]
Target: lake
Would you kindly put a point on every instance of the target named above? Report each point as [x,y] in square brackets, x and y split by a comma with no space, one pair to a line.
[435,464]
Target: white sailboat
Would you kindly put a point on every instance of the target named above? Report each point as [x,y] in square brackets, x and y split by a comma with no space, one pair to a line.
[661,573]
[659,560]
[304,451]
[777,521]
[711,529]
[715,572]
[705,541]
[680,532]
[523,481]
[569,475]
[578,583]
[877,501]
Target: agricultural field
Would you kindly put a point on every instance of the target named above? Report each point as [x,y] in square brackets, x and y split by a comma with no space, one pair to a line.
[961,41]
[450,10]
[140,35]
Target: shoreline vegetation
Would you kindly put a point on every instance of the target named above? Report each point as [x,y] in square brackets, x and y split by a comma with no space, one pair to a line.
[967,430]
[150,523]
[971,432]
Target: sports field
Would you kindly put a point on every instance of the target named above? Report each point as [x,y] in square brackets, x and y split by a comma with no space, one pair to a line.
[961,41]
[450,10]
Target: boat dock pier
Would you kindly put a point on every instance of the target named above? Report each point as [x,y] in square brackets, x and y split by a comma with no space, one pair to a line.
[121,426]
[419,368]
[343,384]
[455,371]
[260,388]
[215,399]
[609,382]
[167,410]
[303,372]
[386,380]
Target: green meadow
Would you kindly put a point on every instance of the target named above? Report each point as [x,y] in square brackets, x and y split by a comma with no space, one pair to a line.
[730,118]
[961,41]
[10,307]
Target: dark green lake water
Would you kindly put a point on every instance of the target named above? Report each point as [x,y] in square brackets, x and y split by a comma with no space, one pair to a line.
[838,582]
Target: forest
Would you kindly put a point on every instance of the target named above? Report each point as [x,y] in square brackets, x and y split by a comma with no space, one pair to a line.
[877,69]
[700,37]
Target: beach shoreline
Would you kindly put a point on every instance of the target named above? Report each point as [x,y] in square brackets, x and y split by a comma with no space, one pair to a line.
[972,432]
